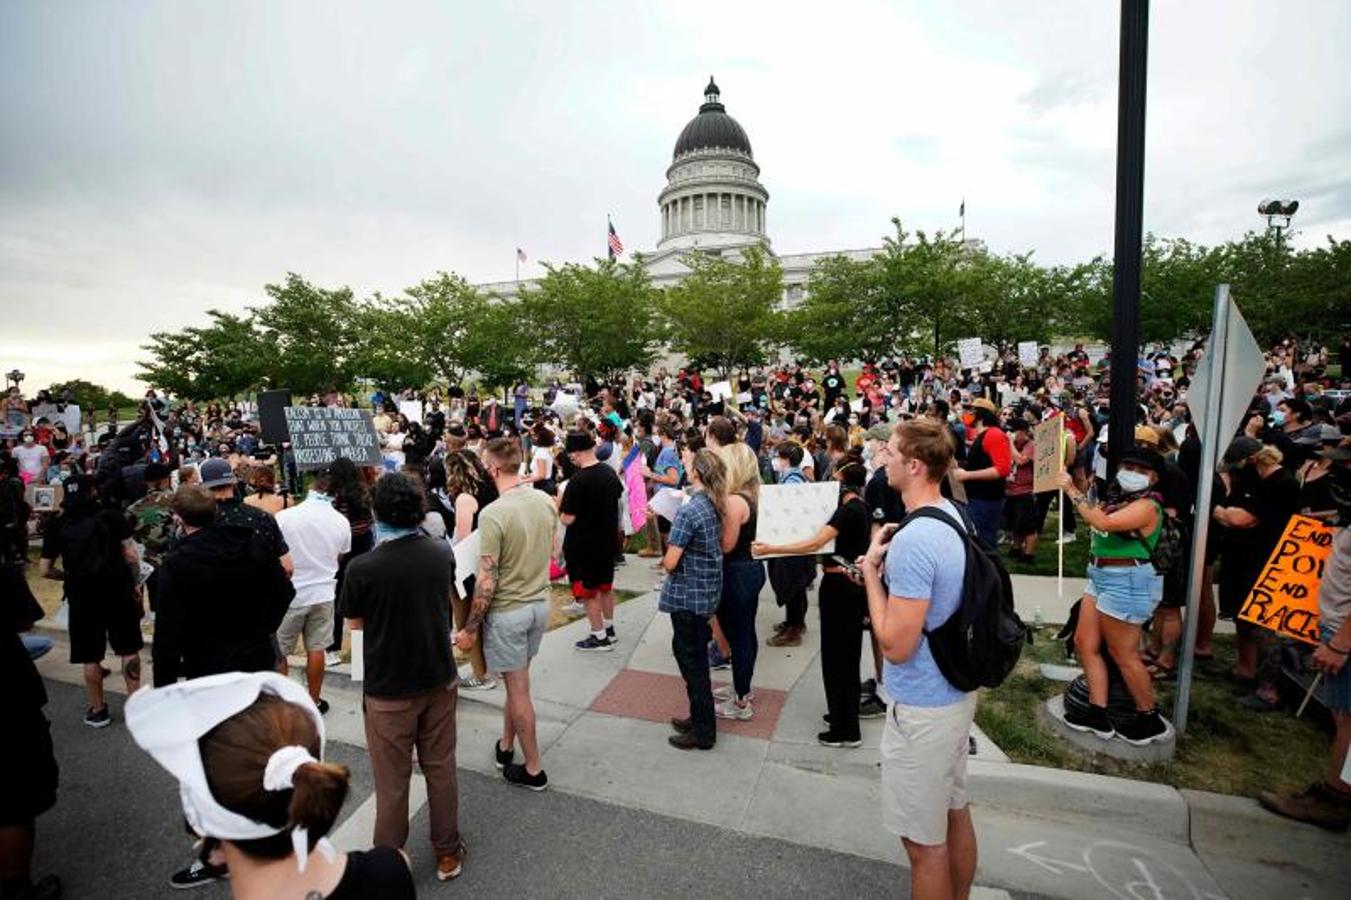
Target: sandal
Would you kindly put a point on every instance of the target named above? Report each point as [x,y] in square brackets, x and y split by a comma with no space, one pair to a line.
[1160,672]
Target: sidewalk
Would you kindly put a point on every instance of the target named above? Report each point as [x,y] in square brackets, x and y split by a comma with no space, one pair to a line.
[602,726]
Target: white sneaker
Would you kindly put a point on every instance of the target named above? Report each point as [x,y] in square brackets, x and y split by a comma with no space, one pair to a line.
[574,609]
[332,658]
[1066,538]
[730,709]
[474,683]
[727,692]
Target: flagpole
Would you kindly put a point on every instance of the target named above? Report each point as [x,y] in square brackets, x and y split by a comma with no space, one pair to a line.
[518,265]
[963,220]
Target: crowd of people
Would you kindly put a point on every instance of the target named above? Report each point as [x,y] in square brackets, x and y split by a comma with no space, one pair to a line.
[185,515]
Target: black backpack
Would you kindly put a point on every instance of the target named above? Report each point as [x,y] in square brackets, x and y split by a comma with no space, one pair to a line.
[980,643]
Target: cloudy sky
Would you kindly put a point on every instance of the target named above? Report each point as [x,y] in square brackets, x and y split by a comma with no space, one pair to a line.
[162,158]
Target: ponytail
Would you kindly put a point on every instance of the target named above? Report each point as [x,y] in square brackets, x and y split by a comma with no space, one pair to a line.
[317,798]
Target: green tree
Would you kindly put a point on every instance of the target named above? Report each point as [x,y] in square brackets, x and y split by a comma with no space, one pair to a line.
[496,345]
[222,359]
[310,334]
[833,321]
[595,320]
[90,397]
[387,349]
[723,314]
[440,312]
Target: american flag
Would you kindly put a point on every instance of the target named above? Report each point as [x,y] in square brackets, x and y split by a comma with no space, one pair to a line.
[520,255]
[616,246]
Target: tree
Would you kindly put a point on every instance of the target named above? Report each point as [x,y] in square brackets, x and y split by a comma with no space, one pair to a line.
[832,322]
[440,312]
[723,314]
[222,359]
[310,334]
[387,349]
[88,396]
[496,346]
[597,321]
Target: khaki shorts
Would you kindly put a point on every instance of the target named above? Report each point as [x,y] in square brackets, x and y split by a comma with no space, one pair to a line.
[511,638]
[924,753]
[315,622]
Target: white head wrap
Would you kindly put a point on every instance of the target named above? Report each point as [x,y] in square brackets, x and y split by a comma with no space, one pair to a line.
[168,722]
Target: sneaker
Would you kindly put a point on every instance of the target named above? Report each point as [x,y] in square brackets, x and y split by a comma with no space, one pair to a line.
[610,634]
[1066,538]
[1145,728]
[474,683]
[593,644]
[779,626]
[99,718]
[197,874]
[1094,721]
[715,658]
[866,689]
[516,774]
[731,709]
[323,706]
[872,708]
[619,559]
[574,609]
[831,739]
[688,741]
[332,658]
[449,865]
[1319,805]
[503,758]
[727,692]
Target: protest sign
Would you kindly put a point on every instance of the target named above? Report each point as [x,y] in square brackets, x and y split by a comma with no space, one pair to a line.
[667,502]
[43,497]
[969,353]
[794,512]
[1047,456]
[1285,597]
[466,561]
[412,409]
[358,672]
[1028,354]
[721,390]
[322,434]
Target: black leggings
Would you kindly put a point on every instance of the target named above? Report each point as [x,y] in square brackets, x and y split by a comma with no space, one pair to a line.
[844,605]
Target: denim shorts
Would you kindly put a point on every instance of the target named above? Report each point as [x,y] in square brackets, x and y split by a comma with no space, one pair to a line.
[1336,688]
[1126,593]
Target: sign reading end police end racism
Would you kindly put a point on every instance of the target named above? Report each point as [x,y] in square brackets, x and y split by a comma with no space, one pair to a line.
[320,435]
[1285,597]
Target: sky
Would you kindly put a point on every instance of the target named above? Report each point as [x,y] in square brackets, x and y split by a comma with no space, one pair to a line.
[161,159]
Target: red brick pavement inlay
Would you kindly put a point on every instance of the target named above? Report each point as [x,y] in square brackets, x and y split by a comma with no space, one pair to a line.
[654,697]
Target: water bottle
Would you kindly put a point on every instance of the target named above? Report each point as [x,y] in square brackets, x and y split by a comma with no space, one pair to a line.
[1038,620]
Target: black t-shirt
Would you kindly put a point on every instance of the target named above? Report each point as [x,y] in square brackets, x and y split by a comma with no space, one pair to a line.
[833,384]
[1273,500]
[1176,490]
[851,522]
[89,544]
[262,524]
[402,591]
[24,692]
[592,495]
[884,502]
[379,872]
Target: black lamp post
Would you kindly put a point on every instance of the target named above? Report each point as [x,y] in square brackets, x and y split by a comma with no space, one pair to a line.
[1275,210]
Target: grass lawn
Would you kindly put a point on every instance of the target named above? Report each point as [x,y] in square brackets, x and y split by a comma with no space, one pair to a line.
[1227,749]
[1076,553]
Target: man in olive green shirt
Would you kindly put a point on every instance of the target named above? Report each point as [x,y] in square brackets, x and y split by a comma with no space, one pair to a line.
[510,609]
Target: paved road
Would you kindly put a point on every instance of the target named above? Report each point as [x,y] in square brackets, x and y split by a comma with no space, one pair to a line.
[117,832]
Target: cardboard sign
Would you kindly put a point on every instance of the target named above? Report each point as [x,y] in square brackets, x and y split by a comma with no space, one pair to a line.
[412,409]
[43,497]
[969,353]
[1047,455]
[720,390]
[322,434]
[666,502]
[1028,354]
[466,562]
[1285,597]
[790,513]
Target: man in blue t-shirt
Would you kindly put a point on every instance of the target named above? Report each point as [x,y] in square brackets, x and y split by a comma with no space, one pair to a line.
[914,583]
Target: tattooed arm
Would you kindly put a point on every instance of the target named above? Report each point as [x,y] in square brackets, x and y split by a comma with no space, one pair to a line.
[485,586]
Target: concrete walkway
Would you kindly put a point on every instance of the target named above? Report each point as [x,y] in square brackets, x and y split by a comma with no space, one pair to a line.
[1043,831]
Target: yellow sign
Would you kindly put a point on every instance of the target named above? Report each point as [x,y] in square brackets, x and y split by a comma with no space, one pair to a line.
[1285,597]
[1047,454]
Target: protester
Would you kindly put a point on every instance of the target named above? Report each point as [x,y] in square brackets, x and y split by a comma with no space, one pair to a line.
[984,470]
[790,576]
[398,594]
[743,577]
[925,740]
[691,591]
[590,510]
[510,609]
[319,536]
[247,751]
[265,496]
[351,497]
[219,478]
[470,490]
[1122,593]
[152,525]
[100,568]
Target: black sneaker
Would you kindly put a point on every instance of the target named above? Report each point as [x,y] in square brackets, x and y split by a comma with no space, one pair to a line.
[1094,721]
[197,874]
[867,689]
[503,758]
[610,634]
[831,739]
[98,718]
[516,774]
[1145,728]
[323,706]
[593,644]
[872,708]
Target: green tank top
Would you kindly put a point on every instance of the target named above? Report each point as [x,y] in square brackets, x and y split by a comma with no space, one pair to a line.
[1124,545]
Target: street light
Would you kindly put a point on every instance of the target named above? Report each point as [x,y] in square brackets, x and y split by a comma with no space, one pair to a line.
[15,376]
[1278,209]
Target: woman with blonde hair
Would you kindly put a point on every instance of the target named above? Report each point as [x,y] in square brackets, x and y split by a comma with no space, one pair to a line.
[743,577]
[468,490]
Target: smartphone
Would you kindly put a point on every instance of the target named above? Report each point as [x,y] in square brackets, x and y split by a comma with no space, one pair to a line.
[848,565]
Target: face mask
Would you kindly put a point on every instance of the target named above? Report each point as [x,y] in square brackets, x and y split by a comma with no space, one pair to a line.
[1278,418]
[28,439]
[1131,482]
[385,532]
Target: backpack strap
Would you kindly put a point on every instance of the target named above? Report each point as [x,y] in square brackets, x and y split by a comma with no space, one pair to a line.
[966,528]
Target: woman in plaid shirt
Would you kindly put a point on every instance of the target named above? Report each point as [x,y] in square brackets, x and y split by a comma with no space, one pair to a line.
[693,563]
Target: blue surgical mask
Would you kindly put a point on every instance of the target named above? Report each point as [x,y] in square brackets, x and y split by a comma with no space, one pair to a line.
[1278,418]
[1131,482]
[385,532]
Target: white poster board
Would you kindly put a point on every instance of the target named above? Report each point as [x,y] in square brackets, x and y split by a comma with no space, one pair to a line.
[969,353]
[794,512]
[667,502]
[721,390]
[412,409]
[466,561]
[1028,354]
[566,405]
[358,672]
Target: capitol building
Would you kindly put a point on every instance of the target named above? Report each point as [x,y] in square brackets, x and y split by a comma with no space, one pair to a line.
[714,203]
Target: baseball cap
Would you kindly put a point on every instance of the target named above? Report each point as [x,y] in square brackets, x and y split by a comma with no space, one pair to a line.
[216,472]
[1146,435]
[878,433]
[1240,449]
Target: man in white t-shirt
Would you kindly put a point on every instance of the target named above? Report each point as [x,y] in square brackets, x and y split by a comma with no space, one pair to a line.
[318,536]
[32,458]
